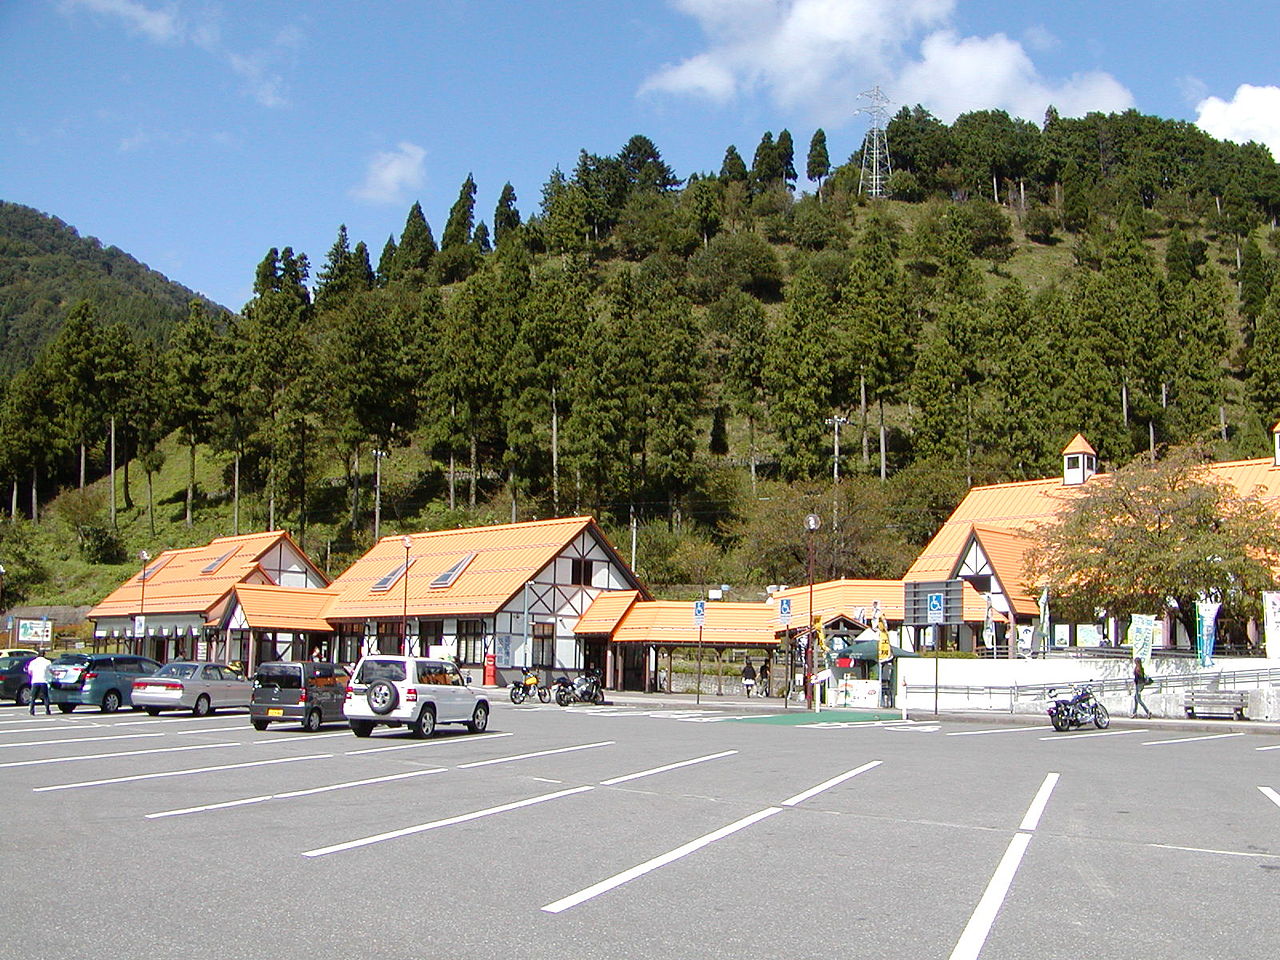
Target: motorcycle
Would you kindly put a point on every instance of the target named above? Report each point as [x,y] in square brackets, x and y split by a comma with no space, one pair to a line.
[528,686]
[1077,710]
[584,689]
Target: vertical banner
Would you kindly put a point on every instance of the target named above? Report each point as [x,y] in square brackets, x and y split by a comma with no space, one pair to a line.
[1271,623]
[1142,631]
[1206,629]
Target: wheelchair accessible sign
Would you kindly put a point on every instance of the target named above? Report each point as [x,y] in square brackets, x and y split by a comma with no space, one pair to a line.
[936,608]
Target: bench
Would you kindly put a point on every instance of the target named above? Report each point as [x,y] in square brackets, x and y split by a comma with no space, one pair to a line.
[1216,703]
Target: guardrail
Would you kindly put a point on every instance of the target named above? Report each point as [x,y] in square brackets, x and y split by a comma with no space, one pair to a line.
[992,693]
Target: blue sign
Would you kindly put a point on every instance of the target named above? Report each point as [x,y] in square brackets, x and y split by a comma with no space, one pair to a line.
[784,611]
[936,608]
[699,612]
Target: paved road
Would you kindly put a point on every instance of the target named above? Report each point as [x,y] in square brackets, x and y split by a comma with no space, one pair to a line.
[627,832]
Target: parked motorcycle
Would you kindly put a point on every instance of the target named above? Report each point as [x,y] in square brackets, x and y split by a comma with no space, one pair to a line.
[584,689]
[1077,710]
[528,686]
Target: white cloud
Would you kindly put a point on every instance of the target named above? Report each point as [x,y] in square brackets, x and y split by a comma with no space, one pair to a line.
[161,25]
[957,74]
[1252,114]
[258,71]
[818,54]
[392,174]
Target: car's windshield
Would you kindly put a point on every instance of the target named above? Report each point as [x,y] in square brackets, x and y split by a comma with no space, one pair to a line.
[79,659]
[8,663]
[372,670]
[285,675]
[181,671]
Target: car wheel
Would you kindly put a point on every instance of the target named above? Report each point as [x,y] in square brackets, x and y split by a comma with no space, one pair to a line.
[311,722]
[111,701]
[152,711]
[66,707]
[362,728]
[202,708]
[382,696]
[425,725]
[479,720]
[23,699]
[260,725]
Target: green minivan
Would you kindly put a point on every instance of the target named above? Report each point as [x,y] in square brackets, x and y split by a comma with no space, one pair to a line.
[102,680]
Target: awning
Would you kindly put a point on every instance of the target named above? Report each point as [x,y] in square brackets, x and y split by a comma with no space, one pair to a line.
[869,650]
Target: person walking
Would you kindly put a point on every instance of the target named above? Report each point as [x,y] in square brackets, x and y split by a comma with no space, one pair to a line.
[1140,682]
[38,674]
[748,677]
[764,677]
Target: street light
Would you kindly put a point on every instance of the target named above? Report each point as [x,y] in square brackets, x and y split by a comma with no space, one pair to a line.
[377,491]
[811,523]
[404,615]
[142,603]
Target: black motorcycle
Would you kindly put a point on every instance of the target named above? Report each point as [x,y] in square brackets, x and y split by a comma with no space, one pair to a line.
[528,686]
[584,689]
[1077,710]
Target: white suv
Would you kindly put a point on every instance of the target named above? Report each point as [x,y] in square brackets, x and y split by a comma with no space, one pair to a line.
[413,692]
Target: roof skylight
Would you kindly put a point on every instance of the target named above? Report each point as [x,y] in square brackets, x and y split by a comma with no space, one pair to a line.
[447,577]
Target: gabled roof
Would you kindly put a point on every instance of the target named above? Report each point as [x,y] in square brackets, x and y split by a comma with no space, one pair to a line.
[196,579]
[606,611]
[1017,509]
[268,607]
[1006,552]
[670,623]
[491,565]
[1079,444]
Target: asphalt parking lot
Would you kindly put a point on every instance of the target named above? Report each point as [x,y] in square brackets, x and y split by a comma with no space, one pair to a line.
[636,833]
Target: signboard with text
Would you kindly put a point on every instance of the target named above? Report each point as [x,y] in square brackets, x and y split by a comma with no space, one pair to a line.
[33,633]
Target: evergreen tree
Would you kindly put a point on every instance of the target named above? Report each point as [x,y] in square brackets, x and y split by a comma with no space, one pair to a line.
[818,164]
[387,262]
[733,169]
[73,359]
[643,167]
[417,247]
[786,152]
[506,218]
[766,166]
[189,375]
[797,375]
[457,230]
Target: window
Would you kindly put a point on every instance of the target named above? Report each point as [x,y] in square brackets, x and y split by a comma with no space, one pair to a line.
[431,632]
[544,645]
[390,577]
[149,572]
[1073,462]
[447,577]
[580,571]
[215,564]
[372,670]
[471,641]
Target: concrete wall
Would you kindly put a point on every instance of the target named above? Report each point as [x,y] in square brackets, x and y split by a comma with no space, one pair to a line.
[996,684]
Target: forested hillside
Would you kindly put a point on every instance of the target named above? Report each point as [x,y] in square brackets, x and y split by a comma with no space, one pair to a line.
[46,267]
[687,348]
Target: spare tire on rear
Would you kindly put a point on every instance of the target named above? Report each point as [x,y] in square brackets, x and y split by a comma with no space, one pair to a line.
[382,696]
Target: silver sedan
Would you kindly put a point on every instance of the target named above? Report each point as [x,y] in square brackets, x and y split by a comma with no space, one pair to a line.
[187,685]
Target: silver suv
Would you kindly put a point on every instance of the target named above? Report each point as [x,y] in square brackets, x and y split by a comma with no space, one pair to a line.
[413,692]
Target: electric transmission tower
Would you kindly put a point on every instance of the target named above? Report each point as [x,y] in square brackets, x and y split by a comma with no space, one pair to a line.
[876,167]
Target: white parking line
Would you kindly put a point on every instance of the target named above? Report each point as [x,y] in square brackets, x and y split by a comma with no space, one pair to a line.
[828,784]
[187,733]
[1271,795]
[671,856]
[1057,737]
[123,753]
[1221,853]
[426,743]
[1212,736]
[42,743]
[448,821]
[663,769]
[1275,746]
[292,793]
[179,773]
[984,915]
[306,739]
[30,726]
[981,733]
[538,753]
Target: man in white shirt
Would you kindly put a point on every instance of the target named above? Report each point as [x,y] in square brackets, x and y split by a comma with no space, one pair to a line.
[38,671]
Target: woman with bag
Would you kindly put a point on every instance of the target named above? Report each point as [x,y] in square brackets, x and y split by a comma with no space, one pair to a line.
[1140,681]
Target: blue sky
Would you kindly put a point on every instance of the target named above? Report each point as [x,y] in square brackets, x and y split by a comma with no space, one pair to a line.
[197,134]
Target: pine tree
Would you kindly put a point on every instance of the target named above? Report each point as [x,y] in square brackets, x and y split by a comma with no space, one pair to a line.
[797,376]
[457,230]
[506,218]
[766,166]
[417,246]
[818,164]
[787,156]
[387,262]
[73,358]
[733,169]
[189,374]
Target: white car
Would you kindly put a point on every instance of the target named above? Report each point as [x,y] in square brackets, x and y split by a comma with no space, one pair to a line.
[187,685]
[414,692]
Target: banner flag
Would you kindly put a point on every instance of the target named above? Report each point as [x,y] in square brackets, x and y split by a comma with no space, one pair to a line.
[1206,629]
[1271,620]
[1142,630]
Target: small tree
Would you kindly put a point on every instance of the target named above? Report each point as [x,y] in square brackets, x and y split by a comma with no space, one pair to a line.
[1156,537]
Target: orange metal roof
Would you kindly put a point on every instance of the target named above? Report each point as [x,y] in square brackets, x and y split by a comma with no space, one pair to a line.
[1006,551]
[178,583]
[836,598]
[1017,509]
[268,607]
[506,556]
[670,623]
[606,611]
[1078,444]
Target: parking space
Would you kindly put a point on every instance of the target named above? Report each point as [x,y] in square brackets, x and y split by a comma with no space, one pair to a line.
[626,833]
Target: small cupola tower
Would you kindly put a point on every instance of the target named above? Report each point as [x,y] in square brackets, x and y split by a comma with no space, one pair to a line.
[1080,461]
[1275,445]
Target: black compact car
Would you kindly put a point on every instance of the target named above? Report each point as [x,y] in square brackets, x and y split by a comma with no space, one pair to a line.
[15,685]
[309,692]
